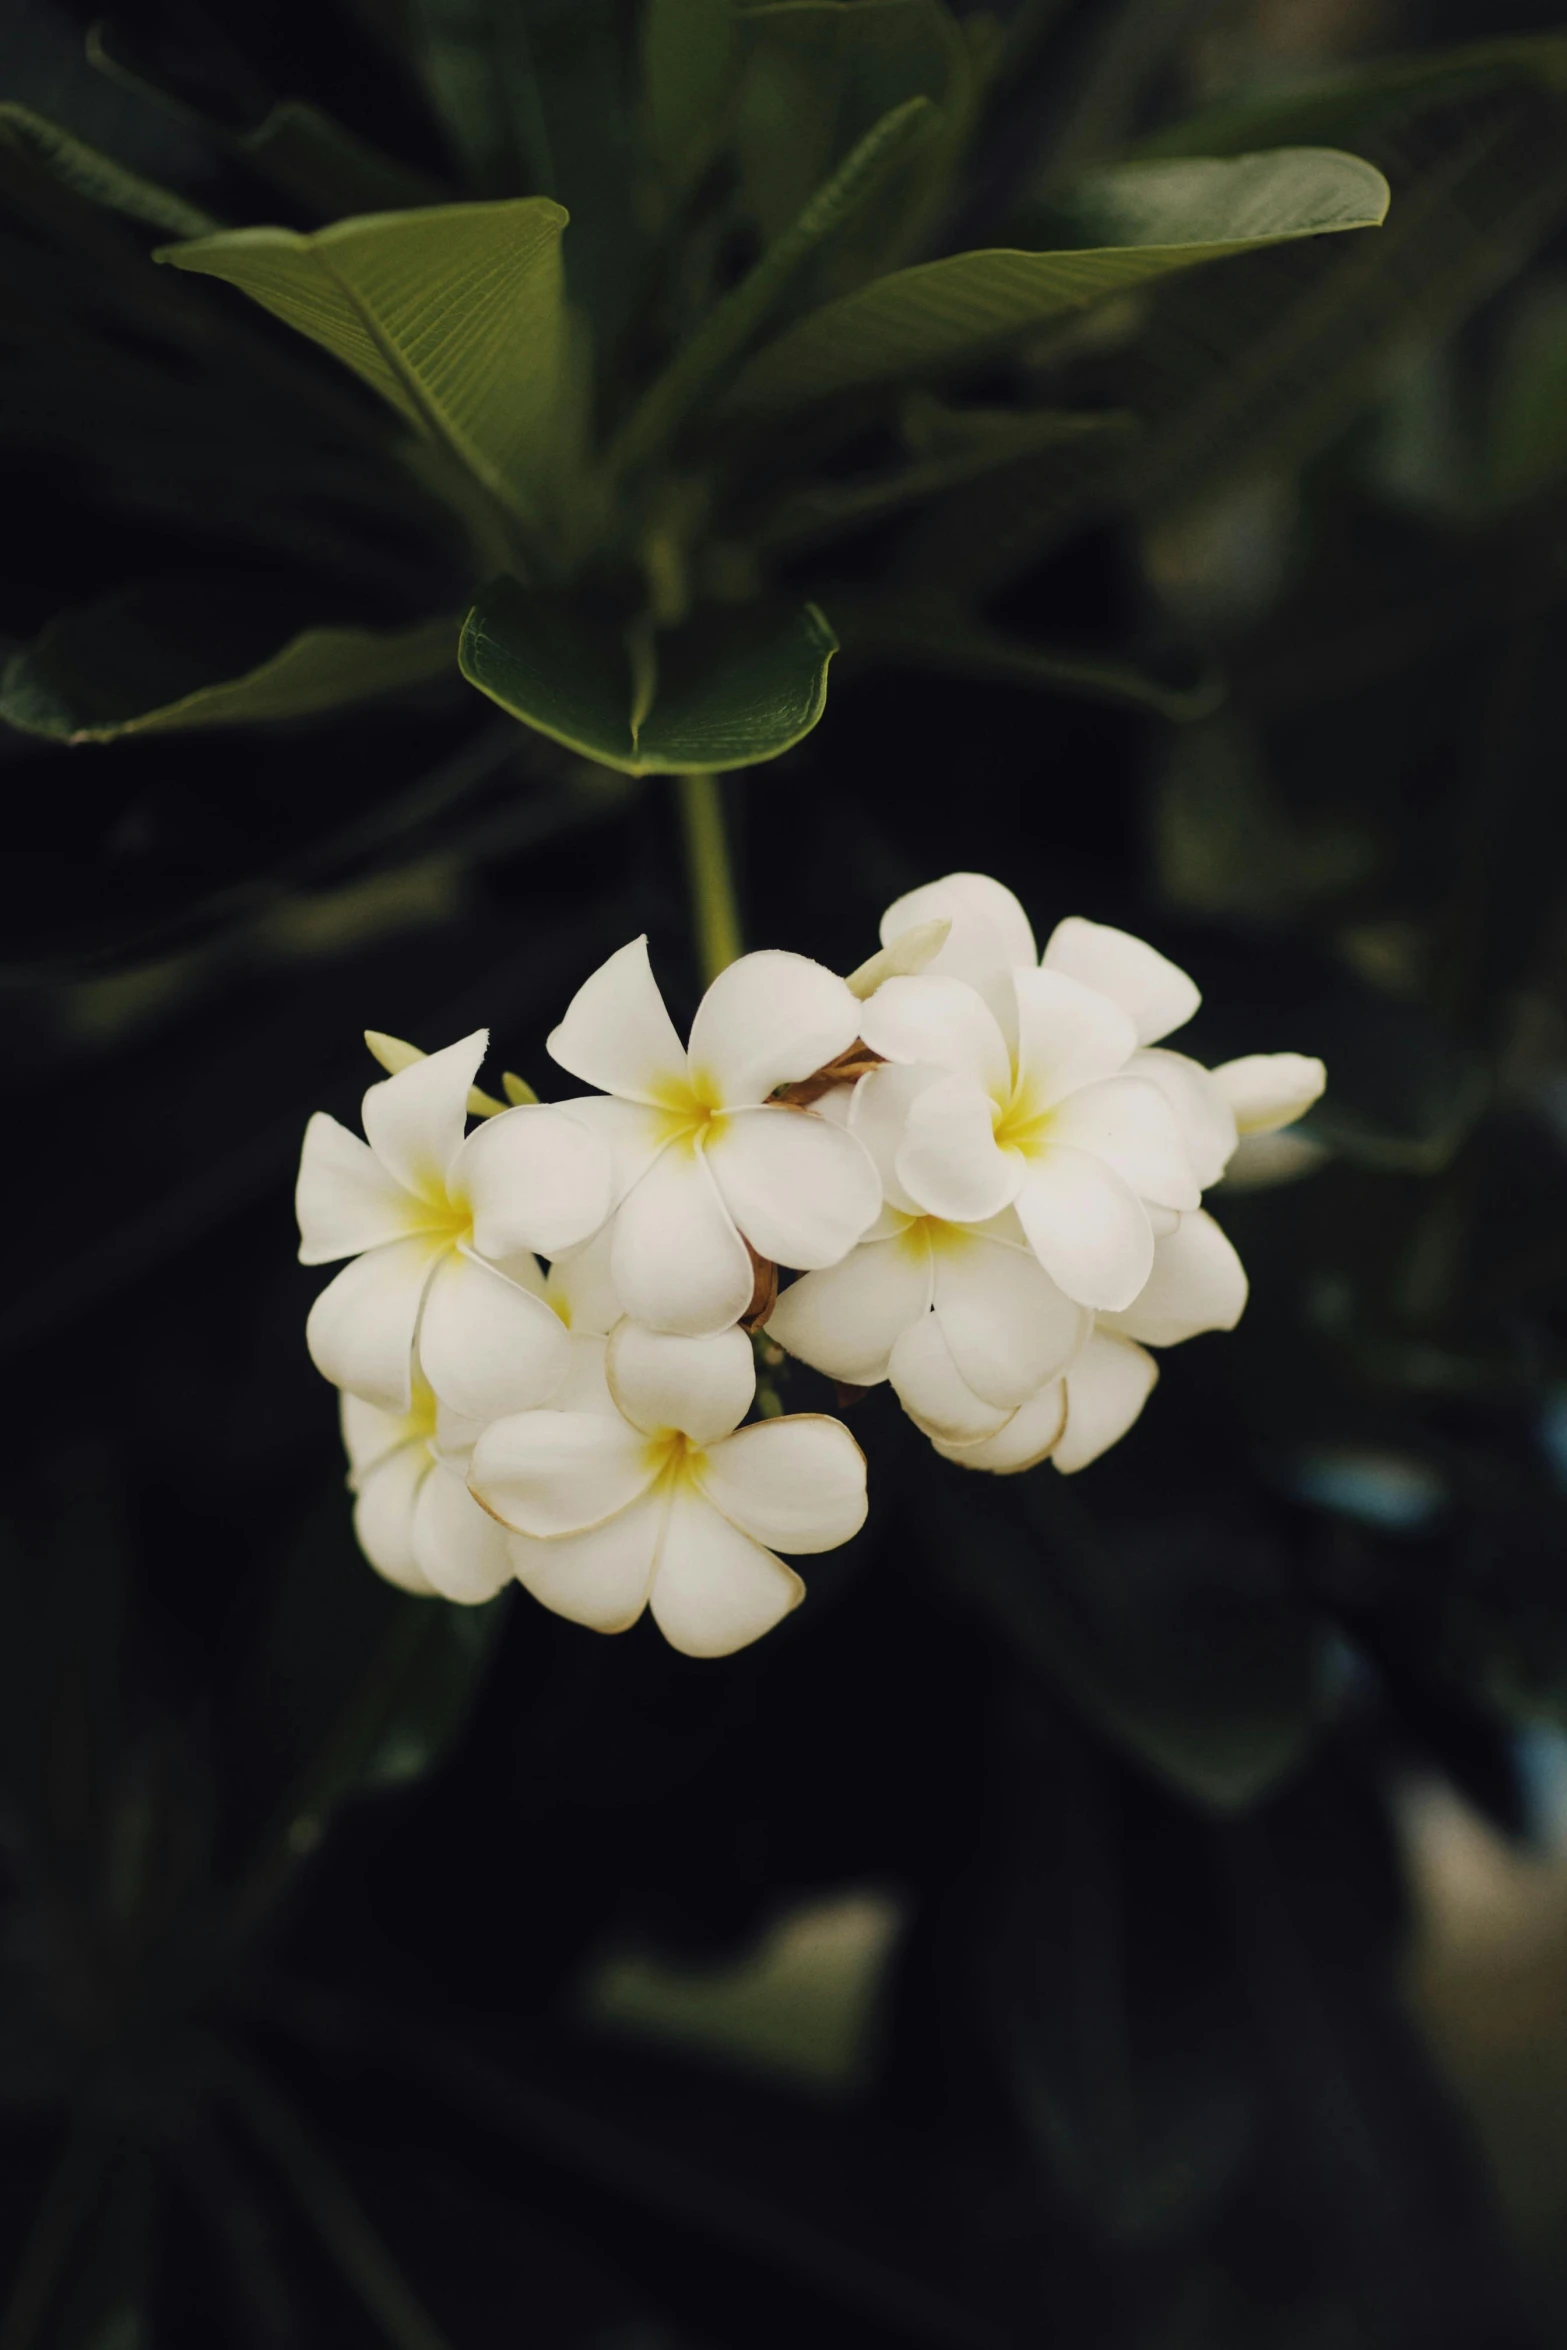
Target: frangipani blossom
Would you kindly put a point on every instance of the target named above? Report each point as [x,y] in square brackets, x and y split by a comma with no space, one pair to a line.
[1198,1283]
[922,1299]
[422,1213]
[709,1169]
[1047,1122]
[415,1519]
[665,1501]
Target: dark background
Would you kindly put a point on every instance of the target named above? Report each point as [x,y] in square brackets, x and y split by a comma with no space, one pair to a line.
[308,1893]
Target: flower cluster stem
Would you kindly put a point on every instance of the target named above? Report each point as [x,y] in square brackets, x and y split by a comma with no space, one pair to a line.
[708,864]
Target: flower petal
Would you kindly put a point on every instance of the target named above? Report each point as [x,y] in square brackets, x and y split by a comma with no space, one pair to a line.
[702,1386]
[1127,1123]
[878,1114]
[769,1020]
[487,1345]
[795,1484]
[1007,1326]
[990,935]
[617,1034]
[384,1516]
[1269,1090]
[415,1120]
[1206,1121]
[1154,992]
[1027,1438]
[1197,1283]
[845,1321]
[585,1387]
[1106,1388]
[631,1132]
[548,1473]
[934,1392]
[800,1189]
[535,1178]
[676,1258]
[360,1331]
[1087,1227]
[461,1551]
[941,1024]
[714,1589]
[581,1287]
[600,1578]
[371,1435]
[345,1199]
[949,1161]
[1068,1035]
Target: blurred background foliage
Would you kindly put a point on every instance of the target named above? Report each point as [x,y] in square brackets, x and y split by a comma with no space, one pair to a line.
[1127,1912]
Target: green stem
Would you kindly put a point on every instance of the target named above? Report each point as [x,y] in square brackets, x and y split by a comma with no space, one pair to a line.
[710,872]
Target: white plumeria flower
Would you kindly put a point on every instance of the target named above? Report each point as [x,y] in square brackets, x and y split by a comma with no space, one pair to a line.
[665,1501]
[965,1311]
[705,1162]
[420,1210]
[1048,1122]
[1198,1283]
[415,1519]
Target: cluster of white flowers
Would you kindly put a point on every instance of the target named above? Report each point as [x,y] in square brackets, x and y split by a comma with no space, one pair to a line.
[981,1164]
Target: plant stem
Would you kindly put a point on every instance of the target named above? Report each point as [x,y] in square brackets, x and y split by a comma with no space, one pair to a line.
[711,874]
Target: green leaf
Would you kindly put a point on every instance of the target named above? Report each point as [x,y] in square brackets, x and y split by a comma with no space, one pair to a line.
[1366,99]
[455,314]
[726,690]
[329,168]
[153,660]
[689,59]
[929,634]
[817,75]
[97,177]
[1128,225]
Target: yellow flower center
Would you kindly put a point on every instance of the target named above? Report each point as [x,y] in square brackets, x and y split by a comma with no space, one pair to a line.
[687,1107]
[1022,1121]
[672,1456]
[919,1233]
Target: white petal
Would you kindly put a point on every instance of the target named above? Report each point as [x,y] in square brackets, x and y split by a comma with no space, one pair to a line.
[795,1484]
[487,1345]
[582,1289]
[878,1113]
[941,1024]
[1153,991]
[1126,1122]
[909,952]
[1068,1035]
[1006,1324]
[800,1189]
[1206,1121]
[455,1436]
[934,1392]
[617,1034]
[676,1258]
[384,1516]
[415,1120]
[1106,1388]
[702,1386]
[631,1132]
[989,937]
[548,1473]
[370,1435]
[714,1589]
[345,1199]
[769,1020]
[585,1388]
[1262,1160]
[360,1330]
[949,1161]
[1197,1283]
[1087,1227]
[1027,1438]
[1269,1090]
[535,1178]
[600,1578]
[461,1551]
[847,1320]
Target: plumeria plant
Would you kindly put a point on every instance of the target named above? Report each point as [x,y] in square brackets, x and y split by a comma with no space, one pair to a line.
[981,1165]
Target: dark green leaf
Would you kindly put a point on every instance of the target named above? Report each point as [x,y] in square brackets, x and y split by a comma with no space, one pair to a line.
[329,168]
[155,659]
[1130,224]
[726,690]
[456,315]
[927,633]
[689,60]
[98,177]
